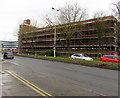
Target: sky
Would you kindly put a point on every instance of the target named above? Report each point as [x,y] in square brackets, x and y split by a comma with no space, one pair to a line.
[13,12]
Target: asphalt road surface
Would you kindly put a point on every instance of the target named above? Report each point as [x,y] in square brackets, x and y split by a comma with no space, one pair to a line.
[62,79]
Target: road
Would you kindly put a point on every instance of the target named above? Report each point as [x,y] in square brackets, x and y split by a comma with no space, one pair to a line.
[62,79]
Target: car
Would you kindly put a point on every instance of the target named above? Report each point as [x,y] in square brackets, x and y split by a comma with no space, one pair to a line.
[8,55]
[14,51]
[110,58]
[81,56]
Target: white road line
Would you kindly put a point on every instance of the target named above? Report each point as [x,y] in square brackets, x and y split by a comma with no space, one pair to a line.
[14,63]
[69,68]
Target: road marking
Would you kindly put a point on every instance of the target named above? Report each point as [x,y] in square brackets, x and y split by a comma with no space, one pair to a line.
[32,86]
[70,69]
[15,63]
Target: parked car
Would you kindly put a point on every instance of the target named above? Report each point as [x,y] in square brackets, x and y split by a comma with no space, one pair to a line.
[110,58]
[8,55]
[14,51]
[81,56]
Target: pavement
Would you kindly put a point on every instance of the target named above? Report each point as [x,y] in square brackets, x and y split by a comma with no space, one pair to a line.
[0,79]
[13,87]
[10,86]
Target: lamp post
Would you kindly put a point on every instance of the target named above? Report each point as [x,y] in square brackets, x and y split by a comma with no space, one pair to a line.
[54,46]
[2,46]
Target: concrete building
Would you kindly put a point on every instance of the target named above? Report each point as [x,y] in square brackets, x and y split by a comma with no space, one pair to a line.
[93,37]
[8,45]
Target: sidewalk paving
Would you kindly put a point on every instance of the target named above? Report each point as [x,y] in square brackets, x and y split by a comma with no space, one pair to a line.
[10,86]
[0,80]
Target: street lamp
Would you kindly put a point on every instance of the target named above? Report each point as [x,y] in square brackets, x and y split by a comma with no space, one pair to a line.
[2,46]
[54,46]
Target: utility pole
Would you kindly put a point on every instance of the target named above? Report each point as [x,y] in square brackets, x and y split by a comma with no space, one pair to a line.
[2,47]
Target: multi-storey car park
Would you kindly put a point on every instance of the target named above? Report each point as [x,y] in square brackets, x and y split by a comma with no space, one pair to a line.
[93,37]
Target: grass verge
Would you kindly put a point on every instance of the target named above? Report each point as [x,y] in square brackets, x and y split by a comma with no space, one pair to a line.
[95,63]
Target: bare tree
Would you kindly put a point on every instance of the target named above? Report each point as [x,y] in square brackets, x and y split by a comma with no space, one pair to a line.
[99,14]
[118,36]
[48,21]
[116,9]
[67,15]
[71,13]
[100,28]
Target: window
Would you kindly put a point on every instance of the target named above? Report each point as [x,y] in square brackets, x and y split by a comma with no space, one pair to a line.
[116,58]
[112,57]
[77,55]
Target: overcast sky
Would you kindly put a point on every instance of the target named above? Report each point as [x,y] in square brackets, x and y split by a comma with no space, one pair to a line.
[13,12]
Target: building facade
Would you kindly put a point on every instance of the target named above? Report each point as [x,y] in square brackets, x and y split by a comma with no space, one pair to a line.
[8,45]
[93,37]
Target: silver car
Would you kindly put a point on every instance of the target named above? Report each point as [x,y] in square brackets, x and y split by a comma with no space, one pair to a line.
[81,56]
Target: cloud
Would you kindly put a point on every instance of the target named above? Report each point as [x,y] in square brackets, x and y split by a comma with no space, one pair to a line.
[13,12]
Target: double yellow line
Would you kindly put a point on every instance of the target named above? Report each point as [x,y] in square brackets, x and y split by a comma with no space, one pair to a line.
[29,84]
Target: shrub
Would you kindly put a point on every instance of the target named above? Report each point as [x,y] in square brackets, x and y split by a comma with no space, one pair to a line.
[49,53]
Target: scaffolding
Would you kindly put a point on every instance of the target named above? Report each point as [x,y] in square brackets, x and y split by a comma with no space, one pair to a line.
[85,38]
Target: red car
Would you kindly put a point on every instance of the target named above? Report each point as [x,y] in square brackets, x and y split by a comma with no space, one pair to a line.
[110,58]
